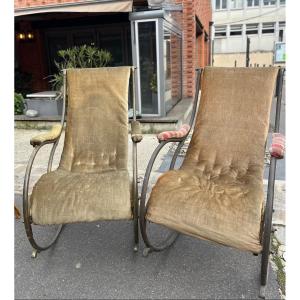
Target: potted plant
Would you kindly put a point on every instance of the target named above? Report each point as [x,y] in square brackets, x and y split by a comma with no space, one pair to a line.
[50,103]
[79,57]
[19,104]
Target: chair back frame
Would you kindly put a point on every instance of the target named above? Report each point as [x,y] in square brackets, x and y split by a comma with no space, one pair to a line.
[26,205]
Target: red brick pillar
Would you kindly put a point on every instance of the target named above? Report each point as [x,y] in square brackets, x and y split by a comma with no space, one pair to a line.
[189,47]
[175,67]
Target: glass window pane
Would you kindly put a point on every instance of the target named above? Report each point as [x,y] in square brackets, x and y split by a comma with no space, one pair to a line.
[220,31]
[172,68]
[236,4]
[224,4]
[252,28]
[252,3]
[217,4]
[83,38]
[268,28]
[236,29]
[148,67]
[269,2]
[111,40]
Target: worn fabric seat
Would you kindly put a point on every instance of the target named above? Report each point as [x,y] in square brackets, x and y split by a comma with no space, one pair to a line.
[226,208]
[67,197]
[92,181]
[217,194]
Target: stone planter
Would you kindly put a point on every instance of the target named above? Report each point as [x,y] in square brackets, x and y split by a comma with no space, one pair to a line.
[45,107]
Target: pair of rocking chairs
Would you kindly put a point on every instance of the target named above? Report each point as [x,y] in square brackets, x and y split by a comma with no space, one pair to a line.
[217,193]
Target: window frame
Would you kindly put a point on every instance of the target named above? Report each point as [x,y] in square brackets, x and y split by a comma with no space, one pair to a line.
[236,1]
[253,4]
[221,5]
[238,29]
[268,33]
[220,36]
[252,28]
[269,5]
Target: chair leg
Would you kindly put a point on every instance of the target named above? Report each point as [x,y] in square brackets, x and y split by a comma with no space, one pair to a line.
[136,235]
[34,253]
[264,273]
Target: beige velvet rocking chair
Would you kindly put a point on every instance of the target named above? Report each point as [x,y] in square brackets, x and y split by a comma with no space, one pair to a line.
[217,194]
[92,181]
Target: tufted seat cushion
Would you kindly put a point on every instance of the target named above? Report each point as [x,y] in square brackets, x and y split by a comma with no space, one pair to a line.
[91,182]
[66,197]
[217,194]
[225,208]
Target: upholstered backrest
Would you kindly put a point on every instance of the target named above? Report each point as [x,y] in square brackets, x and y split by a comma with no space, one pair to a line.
[232,121]
[96,138]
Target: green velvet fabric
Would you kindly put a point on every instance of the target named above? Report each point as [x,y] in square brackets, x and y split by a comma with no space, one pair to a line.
[92,181]
[217,194]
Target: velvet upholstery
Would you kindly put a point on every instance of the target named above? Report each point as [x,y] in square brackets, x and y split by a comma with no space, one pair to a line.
[217,194]
[92,181]
[51,135]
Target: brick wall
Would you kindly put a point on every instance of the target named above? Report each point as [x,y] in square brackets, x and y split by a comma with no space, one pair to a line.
[195,52]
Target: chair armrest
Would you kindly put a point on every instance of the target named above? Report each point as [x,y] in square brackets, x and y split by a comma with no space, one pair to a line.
[277,148]
[181,133]
[136,132]
[50,136]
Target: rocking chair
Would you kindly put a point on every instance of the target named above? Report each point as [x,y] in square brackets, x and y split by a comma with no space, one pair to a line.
[217,193]
[92,182]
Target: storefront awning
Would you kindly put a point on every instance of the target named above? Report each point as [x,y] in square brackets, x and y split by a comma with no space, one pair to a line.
[89,6]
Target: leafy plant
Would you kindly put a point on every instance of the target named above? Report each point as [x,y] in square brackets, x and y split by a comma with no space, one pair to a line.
[19,104]
[79,57]
[23,82]
[153,83]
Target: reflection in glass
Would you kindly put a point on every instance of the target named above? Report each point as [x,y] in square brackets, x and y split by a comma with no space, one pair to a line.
[172,68]
[148,67]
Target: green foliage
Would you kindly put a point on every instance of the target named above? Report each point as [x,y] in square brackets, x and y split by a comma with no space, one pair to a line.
[19,104]
[79,57]
[153,83]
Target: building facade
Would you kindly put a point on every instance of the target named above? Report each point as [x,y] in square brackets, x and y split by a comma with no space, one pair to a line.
[166,42]
[262,21]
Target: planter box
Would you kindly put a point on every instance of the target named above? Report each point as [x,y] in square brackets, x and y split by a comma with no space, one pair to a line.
[45,107]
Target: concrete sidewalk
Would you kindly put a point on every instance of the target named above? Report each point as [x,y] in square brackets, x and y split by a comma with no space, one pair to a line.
[95,261]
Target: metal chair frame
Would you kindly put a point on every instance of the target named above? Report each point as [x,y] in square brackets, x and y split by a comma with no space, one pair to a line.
[26,200]
[266,227]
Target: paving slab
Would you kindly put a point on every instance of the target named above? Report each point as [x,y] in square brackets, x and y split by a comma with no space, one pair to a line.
[96,261]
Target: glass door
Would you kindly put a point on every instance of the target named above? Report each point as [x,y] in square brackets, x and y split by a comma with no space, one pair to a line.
[148,75]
